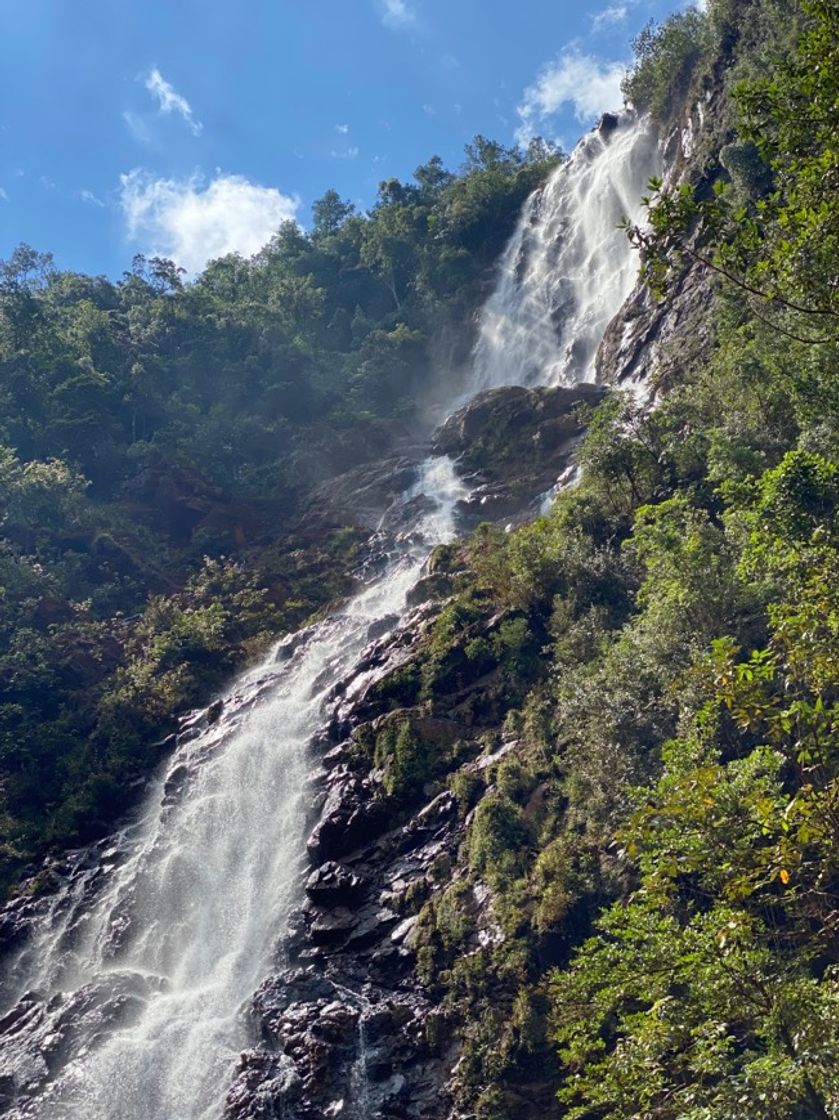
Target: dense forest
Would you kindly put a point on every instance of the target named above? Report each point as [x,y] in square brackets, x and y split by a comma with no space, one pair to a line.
[654,663]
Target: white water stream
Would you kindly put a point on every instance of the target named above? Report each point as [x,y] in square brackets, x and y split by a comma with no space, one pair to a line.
[176,937]
[567,268]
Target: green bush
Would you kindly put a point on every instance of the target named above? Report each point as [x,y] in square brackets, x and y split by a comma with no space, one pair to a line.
[665,59]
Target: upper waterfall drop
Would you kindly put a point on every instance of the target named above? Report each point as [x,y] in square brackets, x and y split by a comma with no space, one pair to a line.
[568,266]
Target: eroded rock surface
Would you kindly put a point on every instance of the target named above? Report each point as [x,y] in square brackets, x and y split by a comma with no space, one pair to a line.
[512,444]
[647,337]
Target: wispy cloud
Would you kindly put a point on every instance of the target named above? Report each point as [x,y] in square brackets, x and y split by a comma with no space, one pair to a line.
[137,127]
[608,17]
[345,153]
[590,84]
[193,222]
[3,196]
[396,13]
[342,128]
[90,198]
[170,101]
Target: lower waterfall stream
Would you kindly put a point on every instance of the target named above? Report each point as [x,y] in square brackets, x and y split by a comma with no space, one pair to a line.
[144,963]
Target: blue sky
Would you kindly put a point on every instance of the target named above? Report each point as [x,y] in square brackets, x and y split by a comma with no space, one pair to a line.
[192,127]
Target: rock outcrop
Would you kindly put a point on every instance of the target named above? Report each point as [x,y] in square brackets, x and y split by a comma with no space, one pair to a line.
[646,337]
[359,496]
[512,444]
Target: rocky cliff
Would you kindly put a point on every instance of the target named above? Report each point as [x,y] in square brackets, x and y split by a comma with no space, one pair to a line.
[648,337]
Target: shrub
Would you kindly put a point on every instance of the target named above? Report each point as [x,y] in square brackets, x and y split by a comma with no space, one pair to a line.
[665,59]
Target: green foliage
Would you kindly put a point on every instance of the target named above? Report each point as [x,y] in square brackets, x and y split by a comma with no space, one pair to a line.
[710,986]
[655,858]
[498,839]
[775,237]
[410,759]
[690,585]
[707,993]
[798,496]
[665,59]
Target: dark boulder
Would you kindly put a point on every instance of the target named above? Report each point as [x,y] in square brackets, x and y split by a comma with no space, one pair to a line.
[350,818]
[514,443]
[333,885]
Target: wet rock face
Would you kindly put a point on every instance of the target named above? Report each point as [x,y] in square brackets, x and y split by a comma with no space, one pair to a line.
[41,1035]
[645,337]
[332,884]
[512,445]
[359,496]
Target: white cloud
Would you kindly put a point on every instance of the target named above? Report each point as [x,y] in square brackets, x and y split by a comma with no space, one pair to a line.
[429,110]
[170,101]
[396,13]
[591,85]
[3,196]
[90,198]
[193,223]
[609,16]
[345,153]
[342,128]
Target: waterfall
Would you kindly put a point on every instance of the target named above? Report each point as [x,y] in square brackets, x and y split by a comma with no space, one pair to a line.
[567,268]
[143,965]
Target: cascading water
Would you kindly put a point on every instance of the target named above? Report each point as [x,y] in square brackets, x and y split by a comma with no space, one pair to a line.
[144,963]
[183,931]
[567,268]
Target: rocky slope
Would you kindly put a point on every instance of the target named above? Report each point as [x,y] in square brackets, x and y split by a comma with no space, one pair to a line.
[344,1023]
[343,1026]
